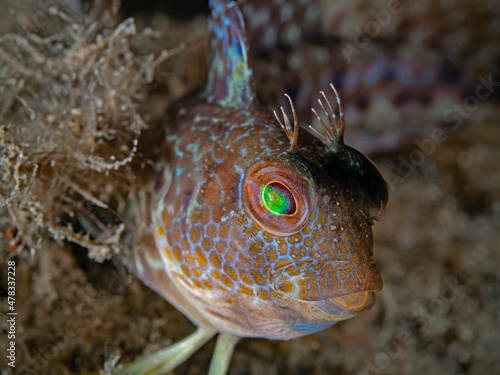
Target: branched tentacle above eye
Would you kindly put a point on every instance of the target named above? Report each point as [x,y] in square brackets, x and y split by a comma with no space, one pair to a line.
[291,133]
[334,131]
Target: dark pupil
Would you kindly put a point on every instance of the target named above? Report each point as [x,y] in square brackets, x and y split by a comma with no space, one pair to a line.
[279,199]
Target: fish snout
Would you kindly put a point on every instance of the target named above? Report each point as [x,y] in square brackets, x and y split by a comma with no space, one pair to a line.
[339,285]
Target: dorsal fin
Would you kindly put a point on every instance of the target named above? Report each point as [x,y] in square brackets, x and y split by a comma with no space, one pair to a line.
[230,81]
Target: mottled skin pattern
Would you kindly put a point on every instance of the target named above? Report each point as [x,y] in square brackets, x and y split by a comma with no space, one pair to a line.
[222,256]
[238,273]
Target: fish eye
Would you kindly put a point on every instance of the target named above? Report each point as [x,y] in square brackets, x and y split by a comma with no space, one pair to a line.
[279,195]
[279,199]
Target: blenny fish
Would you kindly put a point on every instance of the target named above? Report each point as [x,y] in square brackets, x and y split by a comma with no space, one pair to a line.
[259,231]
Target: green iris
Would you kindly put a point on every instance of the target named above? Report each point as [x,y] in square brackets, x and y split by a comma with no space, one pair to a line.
[279,199]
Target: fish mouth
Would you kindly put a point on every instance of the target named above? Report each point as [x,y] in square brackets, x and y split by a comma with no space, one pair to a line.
[336,287]
[361,295]
[347,305]
[355,302]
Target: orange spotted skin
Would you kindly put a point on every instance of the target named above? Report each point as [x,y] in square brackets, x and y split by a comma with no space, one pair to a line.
[223,256]
[239,274]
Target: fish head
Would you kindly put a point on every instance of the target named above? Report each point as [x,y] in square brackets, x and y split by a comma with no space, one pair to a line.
[322,204]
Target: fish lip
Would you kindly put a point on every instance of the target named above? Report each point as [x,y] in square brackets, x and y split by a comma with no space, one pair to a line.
[323,281]
[374,284]
[362,298]
[355,302]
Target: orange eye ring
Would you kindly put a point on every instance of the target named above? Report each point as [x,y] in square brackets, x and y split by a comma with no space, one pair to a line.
[283,182]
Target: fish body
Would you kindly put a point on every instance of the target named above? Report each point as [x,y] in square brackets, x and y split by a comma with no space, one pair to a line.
[259,232]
